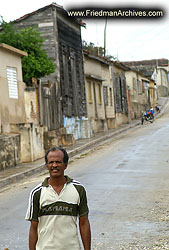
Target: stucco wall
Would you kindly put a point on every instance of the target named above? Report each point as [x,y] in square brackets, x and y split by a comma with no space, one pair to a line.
[12,110]
[98,75]
[162,91]
[31,105]
[162,83]
[32,141]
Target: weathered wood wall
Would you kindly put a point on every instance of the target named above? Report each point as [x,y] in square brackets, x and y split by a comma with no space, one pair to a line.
[63,44]
[121,104]
[71,71]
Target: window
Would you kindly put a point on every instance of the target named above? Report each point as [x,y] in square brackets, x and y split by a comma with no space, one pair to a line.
[143,90]
[134,84]
[12,82]
[139,86]
[111,98]
[105,96]
[99,94]
[89,91]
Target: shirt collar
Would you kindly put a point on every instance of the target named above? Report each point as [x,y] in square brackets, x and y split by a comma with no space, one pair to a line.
[45,182]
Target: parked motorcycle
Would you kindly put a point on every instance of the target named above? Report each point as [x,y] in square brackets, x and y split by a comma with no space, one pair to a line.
[147,115]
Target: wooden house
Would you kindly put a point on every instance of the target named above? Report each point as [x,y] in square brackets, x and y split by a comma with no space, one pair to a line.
[62,96]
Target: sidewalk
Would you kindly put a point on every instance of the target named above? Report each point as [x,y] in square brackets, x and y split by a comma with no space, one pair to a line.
[14,174]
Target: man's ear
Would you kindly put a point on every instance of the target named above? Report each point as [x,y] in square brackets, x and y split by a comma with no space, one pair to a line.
[66,164]
[46,166]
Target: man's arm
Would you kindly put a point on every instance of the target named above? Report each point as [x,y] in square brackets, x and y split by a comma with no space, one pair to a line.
[33,235]
[85,232]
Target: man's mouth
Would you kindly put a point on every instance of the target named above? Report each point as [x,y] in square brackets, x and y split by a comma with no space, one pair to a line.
[55,168]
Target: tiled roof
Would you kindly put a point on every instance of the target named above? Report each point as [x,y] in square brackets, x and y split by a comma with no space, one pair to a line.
[153,62]
[104,59]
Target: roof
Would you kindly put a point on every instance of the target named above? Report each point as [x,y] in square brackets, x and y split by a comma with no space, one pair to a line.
[96,57]
[12,49]
[59,7]
[104,60]
[121,65]
[154,62]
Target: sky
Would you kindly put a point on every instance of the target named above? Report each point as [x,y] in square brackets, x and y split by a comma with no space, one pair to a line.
[126,39]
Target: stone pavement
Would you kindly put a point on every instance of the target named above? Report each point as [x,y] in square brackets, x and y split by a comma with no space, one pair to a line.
[14,174]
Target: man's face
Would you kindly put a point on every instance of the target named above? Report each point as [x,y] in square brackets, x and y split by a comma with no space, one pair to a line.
[56,165]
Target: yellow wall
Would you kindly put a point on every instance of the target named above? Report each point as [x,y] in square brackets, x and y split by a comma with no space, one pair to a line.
[12,111]
[97,76]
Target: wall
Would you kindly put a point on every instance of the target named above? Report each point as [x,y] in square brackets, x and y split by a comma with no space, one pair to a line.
[32,141]
[80,127]
[63,44]
[138,93]
[94,77]
[12,110]
[120,94]
[45,22]
[162,83]
[109,100]
[31,95]
[9,151]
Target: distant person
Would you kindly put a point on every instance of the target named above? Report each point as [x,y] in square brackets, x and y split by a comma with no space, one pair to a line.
[157,109]
[54,206]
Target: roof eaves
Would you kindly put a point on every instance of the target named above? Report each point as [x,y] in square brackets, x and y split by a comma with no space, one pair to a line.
[121,65]
[94,77]
[45,7]
[96,57]
[13,49]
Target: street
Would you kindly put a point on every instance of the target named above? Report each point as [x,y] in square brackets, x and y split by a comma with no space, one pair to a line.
[127,182]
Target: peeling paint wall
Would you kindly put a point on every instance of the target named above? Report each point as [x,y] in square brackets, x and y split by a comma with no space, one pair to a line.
[32,142]
[9,151]
[80,127]
[31,105]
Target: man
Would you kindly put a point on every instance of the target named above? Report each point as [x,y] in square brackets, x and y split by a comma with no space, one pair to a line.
[54,206]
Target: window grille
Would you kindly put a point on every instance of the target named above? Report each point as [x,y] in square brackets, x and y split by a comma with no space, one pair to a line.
[12,82]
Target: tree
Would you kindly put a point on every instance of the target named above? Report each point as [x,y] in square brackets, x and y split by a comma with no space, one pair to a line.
[96,50]
[37,64]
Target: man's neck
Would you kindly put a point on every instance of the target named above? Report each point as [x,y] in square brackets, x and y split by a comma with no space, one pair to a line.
[57,182]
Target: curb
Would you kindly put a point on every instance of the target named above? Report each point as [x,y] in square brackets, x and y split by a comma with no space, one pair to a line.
[102,140]
[72,153]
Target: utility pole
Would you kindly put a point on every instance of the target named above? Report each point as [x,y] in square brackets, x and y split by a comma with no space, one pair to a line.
[105,29]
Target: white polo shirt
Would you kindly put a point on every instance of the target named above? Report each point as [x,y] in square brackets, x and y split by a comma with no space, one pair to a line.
[57,214]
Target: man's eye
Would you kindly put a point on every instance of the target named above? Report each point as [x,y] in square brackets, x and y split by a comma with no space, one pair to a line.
[56,162]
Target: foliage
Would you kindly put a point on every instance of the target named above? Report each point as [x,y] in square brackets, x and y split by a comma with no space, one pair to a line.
[96,50]
[37,64]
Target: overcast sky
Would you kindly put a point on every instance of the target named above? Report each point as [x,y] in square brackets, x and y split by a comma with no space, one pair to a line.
[134,39]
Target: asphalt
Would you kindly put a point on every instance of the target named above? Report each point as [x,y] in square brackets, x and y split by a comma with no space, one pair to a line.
[21,171]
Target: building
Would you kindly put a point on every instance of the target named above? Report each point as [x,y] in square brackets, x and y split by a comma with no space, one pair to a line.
[157,70]
[99,92]
[120,93]
[12,105]
[139,87]
[62,94]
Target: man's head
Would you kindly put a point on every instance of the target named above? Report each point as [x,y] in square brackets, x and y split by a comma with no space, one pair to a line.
[65,154]
[56,162]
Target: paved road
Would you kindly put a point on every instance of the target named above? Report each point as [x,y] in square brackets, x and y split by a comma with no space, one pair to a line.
[127,185]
